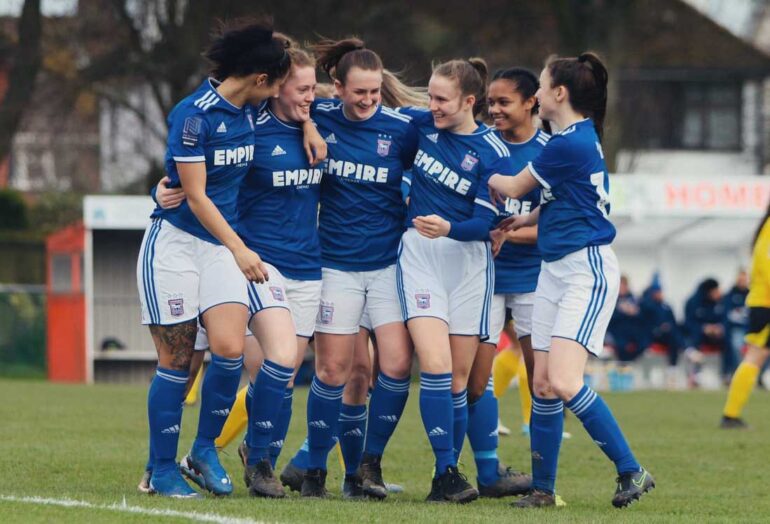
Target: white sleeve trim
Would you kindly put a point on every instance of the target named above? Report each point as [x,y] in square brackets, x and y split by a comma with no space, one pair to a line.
[407,180]
[487,205]
[537,176]
[189,159]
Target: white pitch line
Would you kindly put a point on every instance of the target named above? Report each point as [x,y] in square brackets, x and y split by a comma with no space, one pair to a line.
[125,508]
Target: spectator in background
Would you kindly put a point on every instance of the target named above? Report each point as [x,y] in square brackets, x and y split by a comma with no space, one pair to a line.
[736,321]
[624,331]
[704,323]
[659,324]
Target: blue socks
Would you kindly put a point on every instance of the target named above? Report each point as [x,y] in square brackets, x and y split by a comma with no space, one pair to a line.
[301,458]
[164,411]
[281,426]
[220,386]
[603,428]
[269,389]
[323,411]
[385,409]
[546,428]
[482,434]
[460,426]
[248,400]
[438,417]
[352,430]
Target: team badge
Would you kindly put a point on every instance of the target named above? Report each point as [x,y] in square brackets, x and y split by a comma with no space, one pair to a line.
[176,305]
[423,300]
[469,162]
[277,293]
[383,147]
[191,130]
[326,313]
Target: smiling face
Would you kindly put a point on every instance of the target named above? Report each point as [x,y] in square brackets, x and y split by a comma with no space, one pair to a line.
[449,107]
[296,94]
[550,97]
[360,94]
[507,107]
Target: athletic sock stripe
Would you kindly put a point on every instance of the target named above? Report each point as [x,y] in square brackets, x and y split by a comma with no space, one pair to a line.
[324,391]
[391,386]
[583,403]
[171,378]
[278,373]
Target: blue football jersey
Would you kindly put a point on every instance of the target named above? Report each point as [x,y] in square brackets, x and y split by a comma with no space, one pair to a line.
[204,127]
[362,211]
[451,171]
[517,266]
[575,197]
[278,200]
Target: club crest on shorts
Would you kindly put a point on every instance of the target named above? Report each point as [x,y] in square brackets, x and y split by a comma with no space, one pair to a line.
[176,305]
[326,314]
[469,162]
[423,300]
[277,293]
[383,147]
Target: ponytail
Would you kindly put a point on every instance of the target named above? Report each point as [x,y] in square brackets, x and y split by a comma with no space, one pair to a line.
[336,58]
[397,94]
[243,47]
[586,79]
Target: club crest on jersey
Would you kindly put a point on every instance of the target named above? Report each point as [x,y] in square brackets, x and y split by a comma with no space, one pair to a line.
[423,300]
[326,314]
[383,147]
[277,293]
[176,305]
[469,162]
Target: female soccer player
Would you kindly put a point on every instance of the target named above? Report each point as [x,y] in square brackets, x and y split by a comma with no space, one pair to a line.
[360,224]
[758,335]
[445,272]
[512,106]
[275,200]
[579,278]
[192,263]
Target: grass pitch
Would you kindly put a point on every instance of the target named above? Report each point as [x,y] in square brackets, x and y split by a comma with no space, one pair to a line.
[81,450]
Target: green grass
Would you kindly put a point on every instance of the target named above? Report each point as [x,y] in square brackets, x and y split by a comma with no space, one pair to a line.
[89,444]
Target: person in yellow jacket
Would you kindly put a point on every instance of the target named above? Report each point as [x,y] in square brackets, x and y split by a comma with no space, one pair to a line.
[758,335]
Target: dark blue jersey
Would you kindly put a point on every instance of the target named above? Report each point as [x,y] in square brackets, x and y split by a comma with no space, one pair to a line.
[575,196]
[278,200]
[362,211]
[204,127]
[517,266]
[451,171]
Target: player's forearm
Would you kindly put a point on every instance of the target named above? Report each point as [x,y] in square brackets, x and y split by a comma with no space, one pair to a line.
[208,215]
[525,235]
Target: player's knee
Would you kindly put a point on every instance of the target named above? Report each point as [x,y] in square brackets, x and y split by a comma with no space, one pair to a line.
[399,367]
[476,389]
[541,388]
[564,387]
[331,373]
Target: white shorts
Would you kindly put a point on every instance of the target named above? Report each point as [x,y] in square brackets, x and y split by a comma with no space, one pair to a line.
[365,321]
[346,294]
[180,276]
[446,279]
[521,305]
[575,298]
[300,297]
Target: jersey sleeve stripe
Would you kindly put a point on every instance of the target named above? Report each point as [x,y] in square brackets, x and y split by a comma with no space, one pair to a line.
[537,176]
[407,180]
[487,205]
[398,116]
[205,98]
[498,146]
[185,159]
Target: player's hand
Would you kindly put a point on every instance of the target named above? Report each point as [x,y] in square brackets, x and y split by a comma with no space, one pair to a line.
[431,226]
[494,194]
[251,265]
[168,198]
[315,147]
[513,222]
[498,239]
